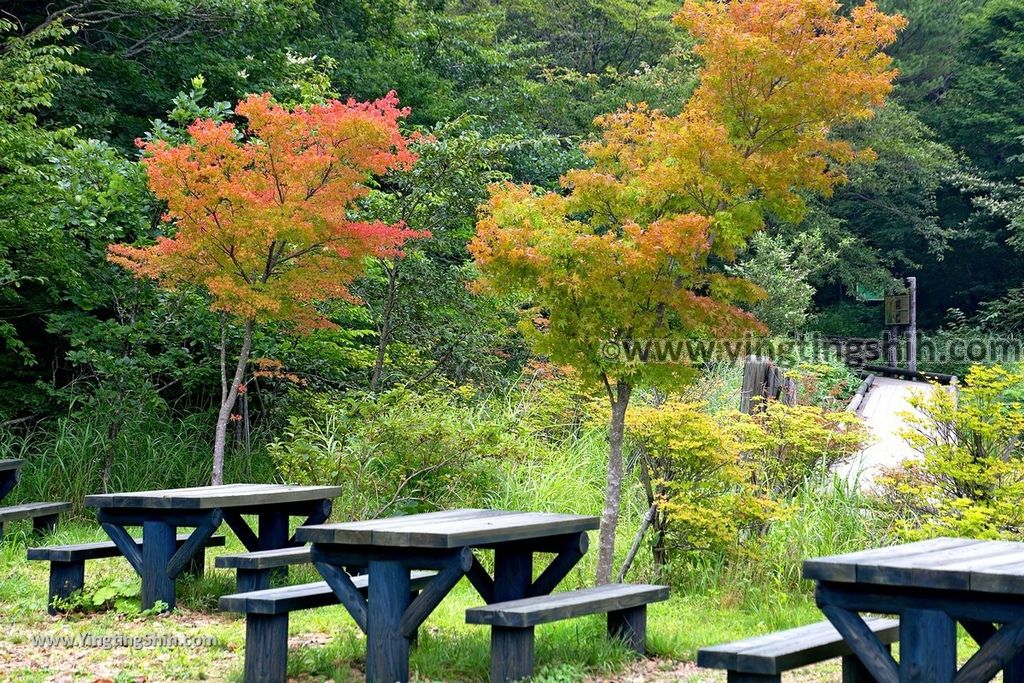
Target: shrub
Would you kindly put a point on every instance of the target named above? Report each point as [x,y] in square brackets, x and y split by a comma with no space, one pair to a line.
[396,453]
[828,384]
[787,445]
[701,483]
[970,478]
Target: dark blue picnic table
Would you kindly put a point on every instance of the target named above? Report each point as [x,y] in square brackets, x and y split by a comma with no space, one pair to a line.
[159,513]
[10,470]
[389,549]
[932,585]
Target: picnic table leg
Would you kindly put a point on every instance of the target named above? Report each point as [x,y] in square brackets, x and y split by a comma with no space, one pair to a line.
[273,530]
[513,573]
[927,647]
[388,596]
[1014,672]
[158,547]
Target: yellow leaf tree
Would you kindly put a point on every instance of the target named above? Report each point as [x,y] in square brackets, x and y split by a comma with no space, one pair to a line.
[634,247]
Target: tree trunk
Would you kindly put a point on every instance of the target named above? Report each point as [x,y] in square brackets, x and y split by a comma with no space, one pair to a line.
[384,329]
[637,540]
[228,402]
[613,488]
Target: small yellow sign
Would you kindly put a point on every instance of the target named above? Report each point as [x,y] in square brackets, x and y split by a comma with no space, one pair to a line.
[897,309]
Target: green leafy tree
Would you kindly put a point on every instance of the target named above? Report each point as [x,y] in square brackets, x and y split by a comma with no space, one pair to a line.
[631,250]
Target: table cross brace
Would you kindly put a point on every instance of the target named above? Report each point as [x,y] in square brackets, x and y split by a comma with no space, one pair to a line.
[348,594]
[319,515]
[196,542]
[871,652]
[125,543]
[569,550]
[481,580]
[8,480]
[435,591]
[242,530]
[993,655]
[206,523]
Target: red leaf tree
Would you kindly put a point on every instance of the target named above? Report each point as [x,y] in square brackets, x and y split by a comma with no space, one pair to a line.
[260,216]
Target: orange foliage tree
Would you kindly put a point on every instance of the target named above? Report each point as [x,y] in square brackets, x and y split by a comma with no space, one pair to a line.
[260,216]
[633,248]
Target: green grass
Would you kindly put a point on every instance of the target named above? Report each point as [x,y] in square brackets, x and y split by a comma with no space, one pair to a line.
[66,456]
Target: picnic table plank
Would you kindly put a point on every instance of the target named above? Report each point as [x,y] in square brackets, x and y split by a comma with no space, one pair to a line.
[209,497]
[468,528]
[844,567]
[11,464]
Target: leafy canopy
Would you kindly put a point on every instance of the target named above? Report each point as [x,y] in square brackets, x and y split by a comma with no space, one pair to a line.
[261,216]
[633,248]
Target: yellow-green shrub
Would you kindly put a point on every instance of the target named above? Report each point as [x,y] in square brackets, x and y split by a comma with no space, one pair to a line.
[970,478]
[787,445]
[699,478]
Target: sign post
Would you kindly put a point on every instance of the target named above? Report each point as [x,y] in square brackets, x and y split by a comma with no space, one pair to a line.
[912,332]
[901,311]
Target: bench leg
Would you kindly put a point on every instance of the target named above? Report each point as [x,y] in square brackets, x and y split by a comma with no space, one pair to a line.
[511,654]
[65,579]
[252,580]
[855,672]
[266,648]
[738,677]
[629,626]
[44,524]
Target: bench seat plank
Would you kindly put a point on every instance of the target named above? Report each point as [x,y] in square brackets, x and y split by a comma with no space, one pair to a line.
[557,606]
[97,550]
[264,559]
[27,510]
[783,651]
[304,596]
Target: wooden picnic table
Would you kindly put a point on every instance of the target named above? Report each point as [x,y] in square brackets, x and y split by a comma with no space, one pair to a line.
[391,548]
[159,513]
[932,585]
[10,470]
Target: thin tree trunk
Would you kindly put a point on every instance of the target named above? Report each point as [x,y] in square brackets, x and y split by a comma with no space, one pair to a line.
[635,548]
[228,403]
[613,489]
[384,329]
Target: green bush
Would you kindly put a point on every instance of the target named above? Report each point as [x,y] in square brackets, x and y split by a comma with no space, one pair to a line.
[396,453]
[970,478]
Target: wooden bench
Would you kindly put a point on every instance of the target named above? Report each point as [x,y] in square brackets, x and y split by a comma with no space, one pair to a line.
[44,515]
[763,659]
[254,570]
[512,622]
[266,621]
[67,563]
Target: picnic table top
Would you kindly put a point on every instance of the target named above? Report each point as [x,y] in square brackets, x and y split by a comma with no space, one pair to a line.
[209,497]
[942,563]
[13,464]
[448,529]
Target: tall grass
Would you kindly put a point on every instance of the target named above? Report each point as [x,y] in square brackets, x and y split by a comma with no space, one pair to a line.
[826,517]
[66,456]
